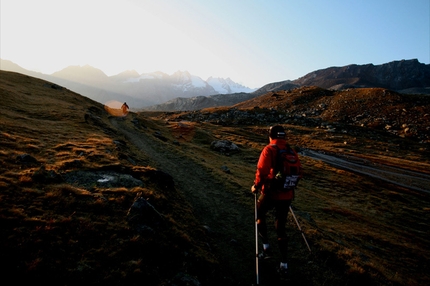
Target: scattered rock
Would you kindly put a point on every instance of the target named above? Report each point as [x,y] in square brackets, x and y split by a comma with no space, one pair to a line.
[44,176]
[234,242]
[184,279]
[102,179]
[135,121]
[226,169]
[120,143]
[208,229]
[72,164]
[53,86]
[224,146]
[26,159]
[142,215]
[160,136]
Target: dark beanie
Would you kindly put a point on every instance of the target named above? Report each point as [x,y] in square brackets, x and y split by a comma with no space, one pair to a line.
[277,131]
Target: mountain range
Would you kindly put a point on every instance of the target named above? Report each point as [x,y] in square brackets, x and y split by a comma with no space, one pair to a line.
[183,91]
[138,90]
[405,76]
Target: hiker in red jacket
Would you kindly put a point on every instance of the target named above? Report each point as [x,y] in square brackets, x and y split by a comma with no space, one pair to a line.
[273,197]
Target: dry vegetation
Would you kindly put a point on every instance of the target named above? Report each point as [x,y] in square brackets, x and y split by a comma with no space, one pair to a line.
[361,230]
[65,233]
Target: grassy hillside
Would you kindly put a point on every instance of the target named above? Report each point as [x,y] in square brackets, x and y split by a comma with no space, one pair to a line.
[76,182]
[69,228]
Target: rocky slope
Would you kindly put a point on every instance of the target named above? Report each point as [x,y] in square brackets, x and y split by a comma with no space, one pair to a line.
[199,102]
[397,75]
[382,110]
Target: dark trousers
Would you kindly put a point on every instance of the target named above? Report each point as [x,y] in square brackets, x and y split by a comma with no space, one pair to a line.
[281,208]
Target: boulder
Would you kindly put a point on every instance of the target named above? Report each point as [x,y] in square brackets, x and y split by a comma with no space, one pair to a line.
[143,216]
[224,146]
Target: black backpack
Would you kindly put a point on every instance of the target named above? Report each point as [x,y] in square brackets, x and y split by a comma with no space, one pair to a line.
[287,169]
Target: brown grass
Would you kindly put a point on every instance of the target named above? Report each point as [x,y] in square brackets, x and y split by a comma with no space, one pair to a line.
[56,232]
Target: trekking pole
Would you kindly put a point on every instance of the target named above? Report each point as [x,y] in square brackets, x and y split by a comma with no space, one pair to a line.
[256,242]
[300,229]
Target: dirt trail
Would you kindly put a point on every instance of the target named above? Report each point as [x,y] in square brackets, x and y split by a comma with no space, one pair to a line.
[230,224]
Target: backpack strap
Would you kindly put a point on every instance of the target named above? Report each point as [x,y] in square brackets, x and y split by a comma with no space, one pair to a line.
[277,162]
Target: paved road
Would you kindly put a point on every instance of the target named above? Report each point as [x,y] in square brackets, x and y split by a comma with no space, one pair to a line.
[405,178]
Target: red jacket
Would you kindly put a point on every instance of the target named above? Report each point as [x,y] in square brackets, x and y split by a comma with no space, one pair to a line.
[265,170]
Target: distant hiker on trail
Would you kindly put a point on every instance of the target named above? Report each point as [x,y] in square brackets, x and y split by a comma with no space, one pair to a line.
[278,172]
[125,108]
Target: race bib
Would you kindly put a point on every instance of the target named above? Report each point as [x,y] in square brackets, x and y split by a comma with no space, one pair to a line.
[291,181]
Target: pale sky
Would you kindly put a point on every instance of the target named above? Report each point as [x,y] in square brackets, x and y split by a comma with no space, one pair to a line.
[254,42]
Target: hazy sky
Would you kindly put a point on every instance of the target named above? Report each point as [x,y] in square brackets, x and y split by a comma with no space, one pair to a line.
[254,42]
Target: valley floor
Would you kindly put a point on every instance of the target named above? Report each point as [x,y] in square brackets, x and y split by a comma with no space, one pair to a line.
[345,210]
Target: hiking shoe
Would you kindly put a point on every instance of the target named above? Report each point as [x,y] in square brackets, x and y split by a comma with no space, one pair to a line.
[283,271]
[266,254]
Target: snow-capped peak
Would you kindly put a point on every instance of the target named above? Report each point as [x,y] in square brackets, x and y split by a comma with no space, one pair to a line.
[186,82]
[185,78]
[226,85]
